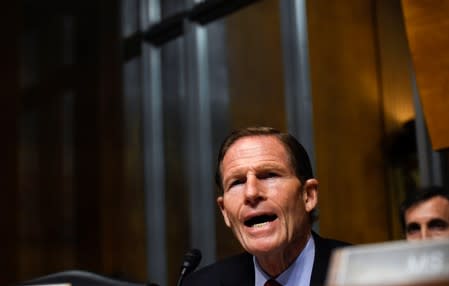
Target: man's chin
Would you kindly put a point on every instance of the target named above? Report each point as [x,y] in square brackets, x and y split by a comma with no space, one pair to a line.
[262,248]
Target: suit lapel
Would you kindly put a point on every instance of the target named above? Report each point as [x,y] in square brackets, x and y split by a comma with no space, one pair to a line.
[321,261]
[239,274]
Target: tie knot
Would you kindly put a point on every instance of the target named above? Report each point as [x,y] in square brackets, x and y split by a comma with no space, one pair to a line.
[272,282]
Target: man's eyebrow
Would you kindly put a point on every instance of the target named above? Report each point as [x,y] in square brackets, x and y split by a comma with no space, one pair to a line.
[265,166]
[437,221]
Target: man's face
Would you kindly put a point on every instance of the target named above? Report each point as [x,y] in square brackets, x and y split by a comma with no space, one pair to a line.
[263,201]
[428,219]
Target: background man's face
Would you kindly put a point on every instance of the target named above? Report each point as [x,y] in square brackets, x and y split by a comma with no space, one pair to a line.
[263,201]
[428,219]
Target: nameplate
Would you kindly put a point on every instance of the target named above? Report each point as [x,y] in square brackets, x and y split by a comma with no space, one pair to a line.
[391,263]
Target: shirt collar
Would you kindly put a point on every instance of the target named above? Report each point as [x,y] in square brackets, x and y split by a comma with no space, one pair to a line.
[297,274]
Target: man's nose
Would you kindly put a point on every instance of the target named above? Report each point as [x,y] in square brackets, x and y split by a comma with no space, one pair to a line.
[425,233]
[253,192]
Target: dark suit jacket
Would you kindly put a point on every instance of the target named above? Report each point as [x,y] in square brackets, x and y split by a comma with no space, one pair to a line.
[239,270]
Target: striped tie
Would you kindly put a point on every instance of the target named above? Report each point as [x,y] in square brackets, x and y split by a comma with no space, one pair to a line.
[272,282]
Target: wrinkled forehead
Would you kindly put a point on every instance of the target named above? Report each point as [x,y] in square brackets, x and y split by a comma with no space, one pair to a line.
[256,154]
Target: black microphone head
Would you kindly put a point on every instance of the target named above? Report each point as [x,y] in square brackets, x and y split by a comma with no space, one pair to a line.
[191,260]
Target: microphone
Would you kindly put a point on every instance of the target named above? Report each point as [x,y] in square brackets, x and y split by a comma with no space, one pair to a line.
[191,260]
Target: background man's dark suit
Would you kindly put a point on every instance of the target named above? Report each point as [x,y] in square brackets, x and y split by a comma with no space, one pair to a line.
[239,270]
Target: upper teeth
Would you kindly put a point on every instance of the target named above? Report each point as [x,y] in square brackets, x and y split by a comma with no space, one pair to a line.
[260,224]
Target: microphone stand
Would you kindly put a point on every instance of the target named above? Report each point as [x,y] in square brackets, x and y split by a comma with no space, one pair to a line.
[191,260]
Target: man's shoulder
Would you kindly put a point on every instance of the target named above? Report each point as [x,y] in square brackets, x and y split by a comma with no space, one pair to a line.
[233,267]
[329,242]
[323,251]
[236,261]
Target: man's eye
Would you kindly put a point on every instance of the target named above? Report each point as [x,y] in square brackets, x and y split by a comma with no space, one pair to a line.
[412,228]
[236,182]
[438,224]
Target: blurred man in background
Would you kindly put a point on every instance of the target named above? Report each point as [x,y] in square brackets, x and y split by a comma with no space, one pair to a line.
[425,214]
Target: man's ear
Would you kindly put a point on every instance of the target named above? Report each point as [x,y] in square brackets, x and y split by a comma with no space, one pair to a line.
[310,194]
[220,202]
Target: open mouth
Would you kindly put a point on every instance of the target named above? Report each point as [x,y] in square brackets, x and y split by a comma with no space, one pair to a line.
[259,221]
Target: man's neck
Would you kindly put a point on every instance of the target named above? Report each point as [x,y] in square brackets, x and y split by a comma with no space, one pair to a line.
[275,263]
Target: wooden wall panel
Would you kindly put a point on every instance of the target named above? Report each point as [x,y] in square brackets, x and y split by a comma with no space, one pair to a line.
[397,104]
[427,25]
[9,110]
[256,86]
[122,215]
[86,143]
[394,64]
[74,208]
[348,120]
